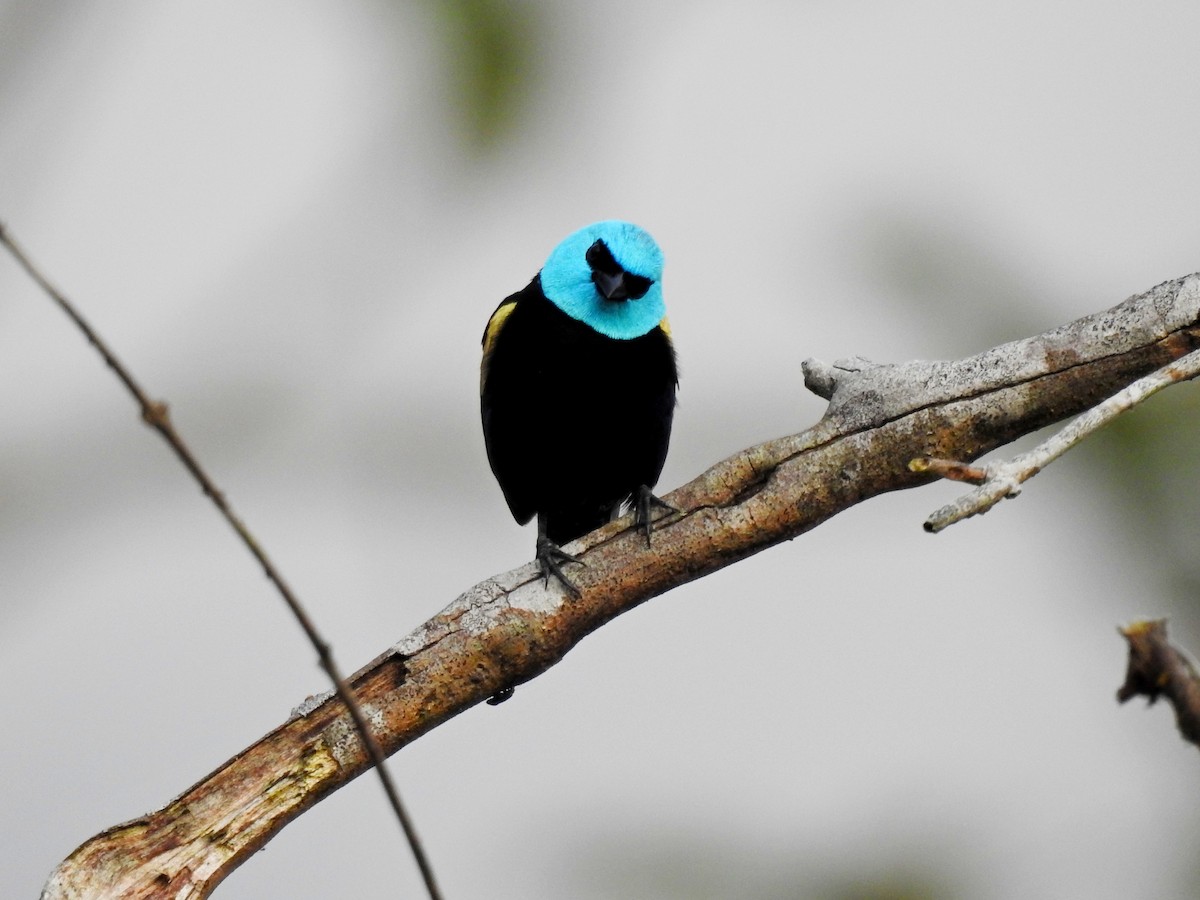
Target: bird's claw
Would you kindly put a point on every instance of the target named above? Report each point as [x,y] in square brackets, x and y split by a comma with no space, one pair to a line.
[643,506]
[550,557]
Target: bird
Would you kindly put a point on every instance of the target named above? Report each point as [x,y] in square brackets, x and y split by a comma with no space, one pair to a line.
[577,389]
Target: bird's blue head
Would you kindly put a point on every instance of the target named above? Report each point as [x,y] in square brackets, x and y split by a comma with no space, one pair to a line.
[608,276]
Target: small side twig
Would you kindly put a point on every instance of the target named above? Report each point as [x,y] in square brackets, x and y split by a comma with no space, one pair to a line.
[949,469]
[155,413]
[999,480]
[1156,668]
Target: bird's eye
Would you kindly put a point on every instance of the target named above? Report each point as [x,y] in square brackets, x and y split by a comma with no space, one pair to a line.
[600,259]
[605,268]
[637,286]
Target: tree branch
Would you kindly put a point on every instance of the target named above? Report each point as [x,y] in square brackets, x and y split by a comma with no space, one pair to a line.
[512,627]
[1004,478]
[1156,668]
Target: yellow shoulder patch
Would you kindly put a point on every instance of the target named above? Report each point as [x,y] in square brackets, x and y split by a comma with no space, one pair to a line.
[665,326]
[495,323]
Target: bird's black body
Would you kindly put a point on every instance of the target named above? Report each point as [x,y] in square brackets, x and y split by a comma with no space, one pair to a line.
[575,422]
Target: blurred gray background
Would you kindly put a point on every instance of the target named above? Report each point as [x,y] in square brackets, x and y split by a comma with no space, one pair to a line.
[292,220]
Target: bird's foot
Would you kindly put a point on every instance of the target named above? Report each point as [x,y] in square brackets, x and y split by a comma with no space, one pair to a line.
[550,557]
[643,508]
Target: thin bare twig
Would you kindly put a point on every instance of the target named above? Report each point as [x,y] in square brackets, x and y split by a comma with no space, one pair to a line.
[1004,479]
[1157,668]
[155,414]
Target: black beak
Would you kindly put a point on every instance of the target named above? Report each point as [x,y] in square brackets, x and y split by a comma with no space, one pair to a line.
[612,287]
